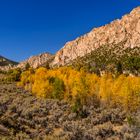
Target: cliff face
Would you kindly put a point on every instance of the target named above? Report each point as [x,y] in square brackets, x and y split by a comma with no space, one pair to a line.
[125,30]
[36,61]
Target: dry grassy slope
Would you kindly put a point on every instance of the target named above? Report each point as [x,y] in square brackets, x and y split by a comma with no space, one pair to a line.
[107,55]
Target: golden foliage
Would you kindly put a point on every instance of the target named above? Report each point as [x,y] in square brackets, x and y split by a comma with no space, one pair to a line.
[69,84]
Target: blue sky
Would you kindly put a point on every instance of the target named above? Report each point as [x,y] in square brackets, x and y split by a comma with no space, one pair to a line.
[30,27]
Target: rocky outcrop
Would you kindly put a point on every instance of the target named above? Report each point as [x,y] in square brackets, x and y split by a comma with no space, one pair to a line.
[36,61]
[123,30]
[126,29]
[33,61]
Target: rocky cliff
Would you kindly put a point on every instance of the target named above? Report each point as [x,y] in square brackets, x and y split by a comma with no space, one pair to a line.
[36,61]
[125,30]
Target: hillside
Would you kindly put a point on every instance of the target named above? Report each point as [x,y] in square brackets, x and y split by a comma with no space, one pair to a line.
[125,31]
[88,90]
[101,47]
[36,61]
[6,63]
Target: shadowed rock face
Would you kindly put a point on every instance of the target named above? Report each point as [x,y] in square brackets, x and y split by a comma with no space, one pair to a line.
[6,63]
[36,61]
[126,29]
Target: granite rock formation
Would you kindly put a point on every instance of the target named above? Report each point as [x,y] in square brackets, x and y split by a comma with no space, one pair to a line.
[126,29]
[36,61]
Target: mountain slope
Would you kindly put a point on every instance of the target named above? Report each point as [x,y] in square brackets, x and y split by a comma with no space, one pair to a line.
[6,62]
[126,30]
[36,61]
[111,42]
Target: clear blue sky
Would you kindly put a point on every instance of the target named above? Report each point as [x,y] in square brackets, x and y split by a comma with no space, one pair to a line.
[29,27]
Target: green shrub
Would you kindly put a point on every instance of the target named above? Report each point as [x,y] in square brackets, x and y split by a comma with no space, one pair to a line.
[27,66]
[13,75]
[58,88]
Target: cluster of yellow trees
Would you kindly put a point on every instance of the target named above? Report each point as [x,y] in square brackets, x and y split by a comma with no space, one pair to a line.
[86,88]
